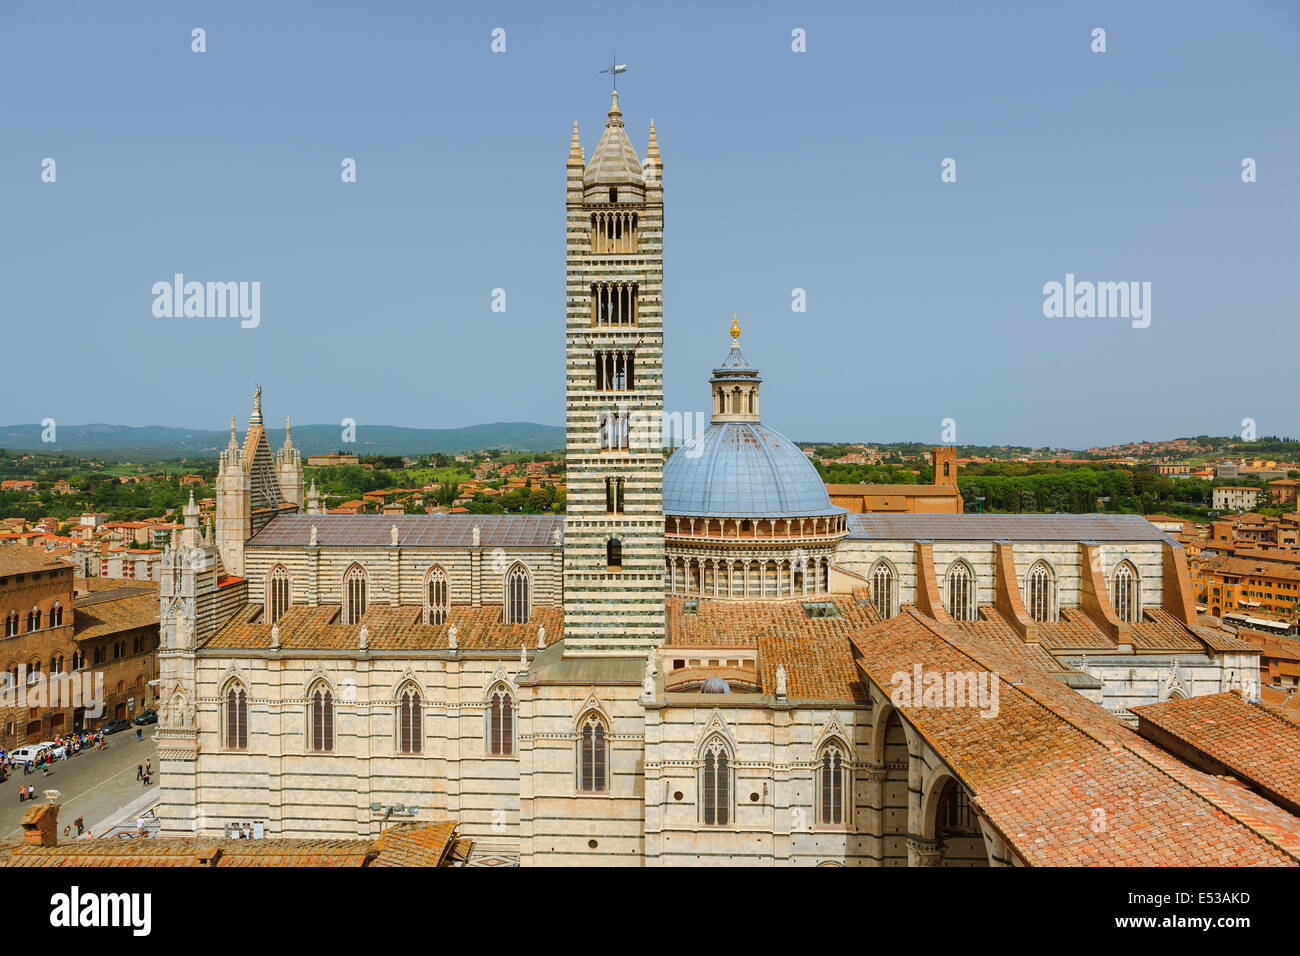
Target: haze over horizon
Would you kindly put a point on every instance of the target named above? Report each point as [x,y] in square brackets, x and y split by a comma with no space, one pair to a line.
[817,170]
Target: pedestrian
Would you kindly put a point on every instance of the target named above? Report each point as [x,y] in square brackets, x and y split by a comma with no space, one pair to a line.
[45,771]
[139,734]
[81,825]
[22,794]
[139,771]
[148,767]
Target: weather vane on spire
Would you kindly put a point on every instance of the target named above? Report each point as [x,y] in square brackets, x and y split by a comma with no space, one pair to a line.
[616,68]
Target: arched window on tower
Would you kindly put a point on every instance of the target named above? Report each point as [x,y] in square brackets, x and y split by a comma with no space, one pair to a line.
[56,615]
[501,722]
[277,593]
[715,783]
[437,600]
[1125,594]
[593,755]
[614,555]
[517,606]
[355,587]
[959,592]
[11,624]
[1040,596]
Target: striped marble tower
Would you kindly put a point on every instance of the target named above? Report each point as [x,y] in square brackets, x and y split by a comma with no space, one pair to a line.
[614,525]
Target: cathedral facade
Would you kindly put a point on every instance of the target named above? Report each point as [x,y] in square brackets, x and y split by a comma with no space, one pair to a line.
[702,661]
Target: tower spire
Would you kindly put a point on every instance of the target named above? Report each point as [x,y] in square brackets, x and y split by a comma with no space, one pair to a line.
[576,158]
[735,331]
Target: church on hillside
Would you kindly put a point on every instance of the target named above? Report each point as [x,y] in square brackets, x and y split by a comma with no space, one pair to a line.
[705,660]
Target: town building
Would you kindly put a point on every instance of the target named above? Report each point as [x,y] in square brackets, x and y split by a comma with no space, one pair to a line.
[941,496]
[1235,498]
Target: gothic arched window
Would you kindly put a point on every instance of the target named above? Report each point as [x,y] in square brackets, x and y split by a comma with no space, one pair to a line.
[1040,597]
[321,718]
[593,755]
[959,592]
[236,718]
[517,605]
[410,720]
[833,784]
[501,722]
[437,599]
[614,554]
[882,588]
[11,624]
[1125,594]
[355,587]
[715,783]
[277,593]
[56,615]
[34,619]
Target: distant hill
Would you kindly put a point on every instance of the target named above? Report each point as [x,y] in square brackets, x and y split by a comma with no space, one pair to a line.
[117,442]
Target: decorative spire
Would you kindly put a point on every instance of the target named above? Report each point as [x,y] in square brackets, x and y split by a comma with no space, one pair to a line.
[288,442]
[735,331]
[615,114]
[576,157]
[257,407]
[234,442]
[652,151]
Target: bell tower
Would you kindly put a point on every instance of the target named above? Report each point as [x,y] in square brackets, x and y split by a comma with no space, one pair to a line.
[614,524]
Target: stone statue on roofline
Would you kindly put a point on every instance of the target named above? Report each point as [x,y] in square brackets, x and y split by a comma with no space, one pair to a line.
[365,637]
[541,637]
[313,536]
[393,535]
[275,637]
[651,666]
[477,536]
[780,681]
[452,634]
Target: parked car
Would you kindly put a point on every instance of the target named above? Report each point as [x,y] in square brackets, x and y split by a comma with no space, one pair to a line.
[148,717]
[32,752]
[56,750]
[113,726]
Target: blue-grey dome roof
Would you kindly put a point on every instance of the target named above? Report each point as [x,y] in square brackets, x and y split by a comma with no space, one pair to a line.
[743,469]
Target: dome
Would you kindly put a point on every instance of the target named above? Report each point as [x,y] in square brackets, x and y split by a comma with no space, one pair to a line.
[743,469]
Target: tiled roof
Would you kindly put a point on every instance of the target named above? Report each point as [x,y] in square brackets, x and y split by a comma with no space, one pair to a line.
[981,527]
[15,559]
[1064,782]
[816,652]
[413,531]
[1253,742]
[410,844]
[399,628]
[109,612]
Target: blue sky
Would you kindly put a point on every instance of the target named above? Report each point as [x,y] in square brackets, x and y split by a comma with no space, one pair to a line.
[817,170]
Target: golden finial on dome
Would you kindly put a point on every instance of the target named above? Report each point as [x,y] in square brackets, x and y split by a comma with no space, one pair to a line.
[735,331]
